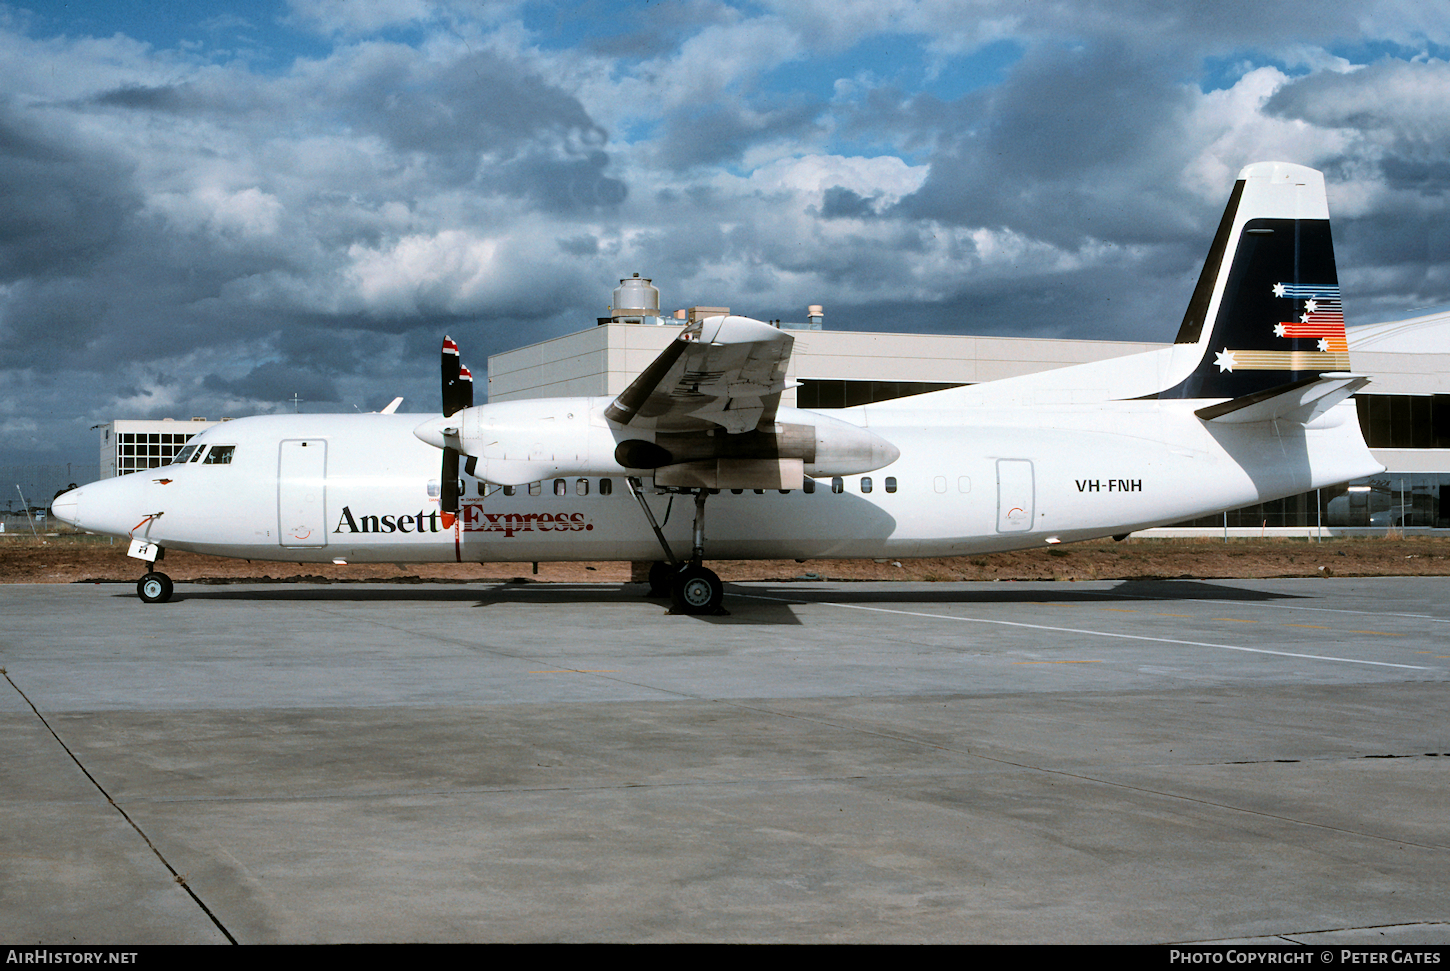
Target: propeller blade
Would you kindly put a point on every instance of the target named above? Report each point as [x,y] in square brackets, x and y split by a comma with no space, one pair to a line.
[448,488]
[457,395]
[457,380]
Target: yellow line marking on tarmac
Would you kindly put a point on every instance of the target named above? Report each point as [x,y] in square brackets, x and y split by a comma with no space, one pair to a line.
[1381,633]
[1309,626]
[1236,620]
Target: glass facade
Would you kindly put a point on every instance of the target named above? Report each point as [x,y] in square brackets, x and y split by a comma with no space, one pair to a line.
[1390,499]
[137,451]
[814,393]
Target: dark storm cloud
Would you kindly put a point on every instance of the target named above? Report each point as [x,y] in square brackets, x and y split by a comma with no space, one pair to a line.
[62,206]
[839,202]
[722,134]
[276,382]
[485,120]
[1055,151]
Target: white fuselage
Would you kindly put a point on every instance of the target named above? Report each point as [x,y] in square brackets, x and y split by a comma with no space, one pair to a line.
[969,479]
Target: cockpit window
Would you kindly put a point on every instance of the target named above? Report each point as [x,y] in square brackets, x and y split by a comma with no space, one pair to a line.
[184,456]
[219,455]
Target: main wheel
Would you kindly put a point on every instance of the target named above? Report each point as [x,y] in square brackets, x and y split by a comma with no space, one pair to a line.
[661,579]
[154,588]
[697,590]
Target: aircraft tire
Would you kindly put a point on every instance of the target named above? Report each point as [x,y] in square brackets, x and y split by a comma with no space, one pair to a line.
[661,579]
[154,588]
[697,590]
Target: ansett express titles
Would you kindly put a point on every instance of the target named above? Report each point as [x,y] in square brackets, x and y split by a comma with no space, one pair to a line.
[472,518]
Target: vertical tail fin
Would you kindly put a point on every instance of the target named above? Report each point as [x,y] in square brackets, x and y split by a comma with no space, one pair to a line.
[1266,311]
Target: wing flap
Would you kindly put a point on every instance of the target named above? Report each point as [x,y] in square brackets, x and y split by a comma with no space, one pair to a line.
[721,371]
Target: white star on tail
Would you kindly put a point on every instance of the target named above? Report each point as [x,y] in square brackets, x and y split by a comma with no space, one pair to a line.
[1224,360]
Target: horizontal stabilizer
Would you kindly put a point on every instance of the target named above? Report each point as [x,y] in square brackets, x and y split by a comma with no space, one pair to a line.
[1299,401]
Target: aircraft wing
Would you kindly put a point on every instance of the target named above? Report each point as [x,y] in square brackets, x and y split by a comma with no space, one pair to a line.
[721,371]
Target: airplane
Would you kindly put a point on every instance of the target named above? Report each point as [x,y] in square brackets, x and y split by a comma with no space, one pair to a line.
[1250,403]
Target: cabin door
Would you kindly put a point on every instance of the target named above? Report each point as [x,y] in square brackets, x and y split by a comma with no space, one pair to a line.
[302,493]
[1015,496]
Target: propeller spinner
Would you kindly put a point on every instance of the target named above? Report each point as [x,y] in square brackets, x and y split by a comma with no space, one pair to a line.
[457,395]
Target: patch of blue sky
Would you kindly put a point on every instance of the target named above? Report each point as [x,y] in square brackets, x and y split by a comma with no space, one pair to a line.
[901,61]
[255,30]
[1221,72]
[1371,51]
[1224,71]
[607,25]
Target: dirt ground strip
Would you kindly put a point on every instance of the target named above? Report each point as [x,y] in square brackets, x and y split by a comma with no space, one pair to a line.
[77,559]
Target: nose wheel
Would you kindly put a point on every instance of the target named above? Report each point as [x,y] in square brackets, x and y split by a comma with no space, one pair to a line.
[154,588]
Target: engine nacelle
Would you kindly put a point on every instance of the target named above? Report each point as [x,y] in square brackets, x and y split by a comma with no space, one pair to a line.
[517,442]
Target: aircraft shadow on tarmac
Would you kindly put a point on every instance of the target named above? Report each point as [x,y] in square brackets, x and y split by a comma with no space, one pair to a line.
[768,604]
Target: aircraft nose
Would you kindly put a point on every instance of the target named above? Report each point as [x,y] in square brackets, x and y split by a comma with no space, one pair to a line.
[67,507]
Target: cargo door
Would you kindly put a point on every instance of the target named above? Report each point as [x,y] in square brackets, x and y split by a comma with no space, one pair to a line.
[1015,496]
[301,493]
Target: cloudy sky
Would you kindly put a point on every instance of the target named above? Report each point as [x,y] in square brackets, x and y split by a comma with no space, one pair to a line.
[208,207]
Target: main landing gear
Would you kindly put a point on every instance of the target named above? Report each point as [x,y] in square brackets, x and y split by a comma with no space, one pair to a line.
[693,588]
[154,588]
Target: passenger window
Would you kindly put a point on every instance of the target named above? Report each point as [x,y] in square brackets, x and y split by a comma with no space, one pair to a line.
[737,492]
[536,488]
[939,483]
[838,484]
[581,487]
[865,484]
[964,483]
[808,484]
[759,492]
[561,488]
[220,455]
[606,487]
[510,490]
[891,483]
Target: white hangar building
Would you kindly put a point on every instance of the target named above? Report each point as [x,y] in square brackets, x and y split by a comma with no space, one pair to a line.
[1405,411]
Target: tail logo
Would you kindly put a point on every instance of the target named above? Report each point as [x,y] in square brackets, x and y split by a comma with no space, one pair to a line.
[1321,317]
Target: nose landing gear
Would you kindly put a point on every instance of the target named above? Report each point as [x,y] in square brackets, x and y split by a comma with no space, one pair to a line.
[154,588]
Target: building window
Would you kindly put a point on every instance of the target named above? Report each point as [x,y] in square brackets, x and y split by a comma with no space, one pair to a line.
[819,394]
